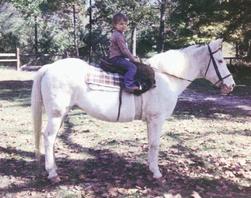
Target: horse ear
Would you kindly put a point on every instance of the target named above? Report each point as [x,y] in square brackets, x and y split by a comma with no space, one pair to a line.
[217,43]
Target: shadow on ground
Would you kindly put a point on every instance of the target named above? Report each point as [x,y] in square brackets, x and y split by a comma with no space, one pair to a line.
[212,109]
[16,91]
[107,169]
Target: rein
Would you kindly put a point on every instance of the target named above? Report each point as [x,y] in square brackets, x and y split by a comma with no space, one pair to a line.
[173,75]
[177,77]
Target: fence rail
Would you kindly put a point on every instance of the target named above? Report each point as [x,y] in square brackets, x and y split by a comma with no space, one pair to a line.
[11,57]
[230,60]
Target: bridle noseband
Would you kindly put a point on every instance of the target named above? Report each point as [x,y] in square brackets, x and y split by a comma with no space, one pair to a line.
[215,65]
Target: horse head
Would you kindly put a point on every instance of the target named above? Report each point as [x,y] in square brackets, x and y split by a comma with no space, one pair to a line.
[216,70]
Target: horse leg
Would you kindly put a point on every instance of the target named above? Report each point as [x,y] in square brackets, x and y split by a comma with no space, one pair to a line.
[50,134]
[154,126]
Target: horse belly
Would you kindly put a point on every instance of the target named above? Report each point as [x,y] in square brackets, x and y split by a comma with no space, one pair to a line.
[104,105]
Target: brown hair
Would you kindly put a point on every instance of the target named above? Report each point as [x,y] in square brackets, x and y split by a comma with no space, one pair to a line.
[119,17]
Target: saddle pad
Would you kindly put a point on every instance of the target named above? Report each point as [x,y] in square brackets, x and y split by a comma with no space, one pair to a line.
[98,79]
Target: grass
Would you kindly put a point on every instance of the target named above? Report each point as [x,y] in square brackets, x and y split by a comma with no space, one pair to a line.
[205,149]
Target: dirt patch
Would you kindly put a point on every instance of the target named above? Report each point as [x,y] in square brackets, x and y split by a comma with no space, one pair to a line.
[11,74]
[210,104]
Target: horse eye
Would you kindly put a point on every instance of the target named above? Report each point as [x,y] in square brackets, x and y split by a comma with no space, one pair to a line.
[220,61]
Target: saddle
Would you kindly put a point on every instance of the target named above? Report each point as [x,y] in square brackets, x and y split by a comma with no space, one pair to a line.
[145,76]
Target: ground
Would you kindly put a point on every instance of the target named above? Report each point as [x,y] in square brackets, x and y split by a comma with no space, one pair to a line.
[205,148]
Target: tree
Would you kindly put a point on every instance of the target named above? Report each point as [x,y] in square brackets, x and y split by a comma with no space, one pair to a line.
[159,24]
[238,25]
[163,10]
[53,22]
[138,12]
[12,32]
[200,21]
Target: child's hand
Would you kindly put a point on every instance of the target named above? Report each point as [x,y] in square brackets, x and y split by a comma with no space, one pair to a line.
[136,59]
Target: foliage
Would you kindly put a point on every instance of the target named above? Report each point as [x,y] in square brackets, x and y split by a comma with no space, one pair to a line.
[138,12]
[200,21]
[53,20]
[239,25]
[99,43]
[146,42]
[183,23]
[192,21]
[11,27]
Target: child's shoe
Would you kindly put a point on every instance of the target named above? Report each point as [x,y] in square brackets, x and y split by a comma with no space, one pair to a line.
[132,89]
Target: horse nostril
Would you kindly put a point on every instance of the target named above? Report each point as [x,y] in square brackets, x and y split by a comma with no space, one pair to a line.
[233,85]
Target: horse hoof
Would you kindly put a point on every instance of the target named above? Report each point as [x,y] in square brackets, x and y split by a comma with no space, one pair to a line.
[161,181]
[157,175]
[55,180]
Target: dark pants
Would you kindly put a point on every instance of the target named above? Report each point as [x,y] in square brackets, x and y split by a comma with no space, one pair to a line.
[130,68]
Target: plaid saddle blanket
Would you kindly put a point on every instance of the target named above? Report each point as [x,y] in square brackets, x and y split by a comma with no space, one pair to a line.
[98,79]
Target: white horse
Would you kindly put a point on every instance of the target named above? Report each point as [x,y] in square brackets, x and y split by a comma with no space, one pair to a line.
[61,85]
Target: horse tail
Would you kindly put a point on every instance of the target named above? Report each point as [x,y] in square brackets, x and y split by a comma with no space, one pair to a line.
[36,108]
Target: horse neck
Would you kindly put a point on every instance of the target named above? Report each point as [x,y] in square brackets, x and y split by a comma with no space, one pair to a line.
[184,63]
[197,59]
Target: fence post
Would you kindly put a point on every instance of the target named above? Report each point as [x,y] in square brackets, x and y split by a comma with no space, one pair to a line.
[18,59]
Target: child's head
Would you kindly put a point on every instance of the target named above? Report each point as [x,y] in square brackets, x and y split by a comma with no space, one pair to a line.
[119,22]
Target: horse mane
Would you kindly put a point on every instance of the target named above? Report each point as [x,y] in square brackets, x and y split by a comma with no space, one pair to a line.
[175,61]
[191,47]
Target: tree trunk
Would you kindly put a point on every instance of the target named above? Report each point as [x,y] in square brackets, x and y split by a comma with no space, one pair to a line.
[236,49]
[74,32]
[36,37]
[90,32]
[249,51]
[160,41]
[134,41]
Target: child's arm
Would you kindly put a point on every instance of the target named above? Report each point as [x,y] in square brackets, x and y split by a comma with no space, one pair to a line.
[124,49]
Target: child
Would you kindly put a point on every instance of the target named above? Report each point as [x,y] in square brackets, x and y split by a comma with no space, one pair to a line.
[118,52]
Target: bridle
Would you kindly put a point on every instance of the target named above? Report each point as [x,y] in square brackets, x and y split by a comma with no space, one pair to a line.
[215,66]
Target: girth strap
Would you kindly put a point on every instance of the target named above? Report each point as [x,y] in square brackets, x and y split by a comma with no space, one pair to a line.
[120,102]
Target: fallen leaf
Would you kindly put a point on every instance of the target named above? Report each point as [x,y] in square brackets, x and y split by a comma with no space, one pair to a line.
[113,192]
[195,195]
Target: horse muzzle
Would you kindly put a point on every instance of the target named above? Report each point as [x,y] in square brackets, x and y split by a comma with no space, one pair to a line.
[226,89]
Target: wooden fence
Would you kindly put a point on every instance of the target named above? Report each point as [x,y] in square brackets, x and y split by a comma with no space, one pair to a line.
[11,57]
[231,60]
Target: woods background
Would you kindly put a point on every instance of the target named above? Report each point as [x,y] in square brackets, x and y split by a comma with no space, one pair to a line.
[59,28]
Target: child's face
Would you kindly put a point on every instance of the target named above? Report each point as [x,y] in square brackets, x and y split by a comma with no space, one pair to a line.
[121,26]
